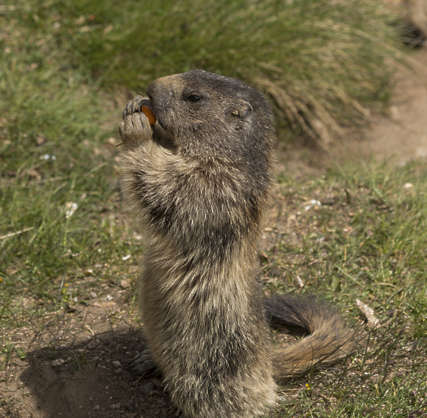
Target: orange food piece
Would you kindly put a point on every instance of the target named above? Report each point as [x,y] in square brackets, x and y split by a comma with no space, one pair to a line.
[149,113]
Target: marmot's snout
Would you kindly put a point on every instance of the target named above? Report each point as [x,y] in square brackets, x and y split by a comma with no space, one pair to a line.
[164,91]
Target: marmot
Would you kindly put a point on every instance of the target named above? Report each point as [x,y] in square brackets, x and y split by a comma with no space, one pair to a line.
[199,178]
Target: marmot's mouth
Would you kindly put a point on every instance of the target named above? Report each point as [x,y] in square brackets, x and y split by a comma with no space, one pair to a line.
[160,133]
[146,108]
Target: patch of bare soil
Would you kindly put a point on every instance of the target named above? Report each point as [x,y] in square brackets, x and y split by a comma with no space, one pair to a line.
[76,362]
[398,137]
[402,136]
[77,365]
[92,379]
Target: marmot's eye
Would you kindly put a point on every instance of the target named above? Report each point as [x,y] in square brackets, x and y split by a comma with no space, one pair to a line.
[193,97]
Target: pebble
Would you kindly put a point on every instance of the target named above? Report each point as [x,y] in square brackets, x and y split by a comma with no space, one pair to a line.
[124,284]
[57,362]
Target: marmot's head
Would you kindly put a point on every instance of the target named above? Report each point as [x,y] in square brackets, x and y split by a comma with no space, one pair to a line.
[206,115]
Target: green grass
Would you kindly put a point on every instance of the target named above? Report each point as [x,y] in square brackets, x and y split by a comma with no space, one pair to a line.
[53,152]
[366,240]
[325,64]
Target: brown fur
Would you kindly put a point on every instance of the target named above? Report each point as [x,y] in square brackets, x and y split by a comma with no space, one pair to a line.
[199,184]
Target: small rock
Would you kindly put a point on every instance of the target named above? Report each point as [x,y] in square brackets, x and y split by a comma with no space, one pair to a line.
[48,157]
[124,284]
[116,363]
[40,140]
[57,362]
[70,208]
[313,203]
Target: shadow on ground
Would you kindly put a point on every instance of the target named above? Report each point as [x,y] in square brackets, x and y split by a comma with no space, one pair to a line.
[93,379]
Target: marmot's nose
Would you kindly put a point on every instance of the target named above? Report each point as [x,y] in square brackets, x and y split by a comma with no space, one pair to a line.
[160,94]
[163,90]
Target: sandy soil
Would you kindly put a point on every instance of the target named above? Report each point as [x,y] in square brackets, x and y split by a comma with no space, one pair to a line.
[398,137]
[402,136]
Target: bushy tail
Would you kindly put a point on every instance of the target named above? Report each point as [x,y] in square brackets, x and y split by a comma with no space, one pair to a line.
[329,339]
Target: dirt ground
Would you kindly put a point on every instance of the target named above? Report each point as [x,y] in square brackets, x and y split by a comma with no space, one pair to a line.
[398,137]
[77,362]
[403,135]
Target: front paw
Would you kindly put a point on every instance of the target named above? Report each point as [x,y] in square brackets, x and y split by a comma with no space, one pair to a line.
[135,127]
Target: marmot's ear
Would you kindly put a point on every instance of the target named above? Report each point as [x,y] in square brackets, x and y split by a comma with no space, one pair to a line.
[241,109]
